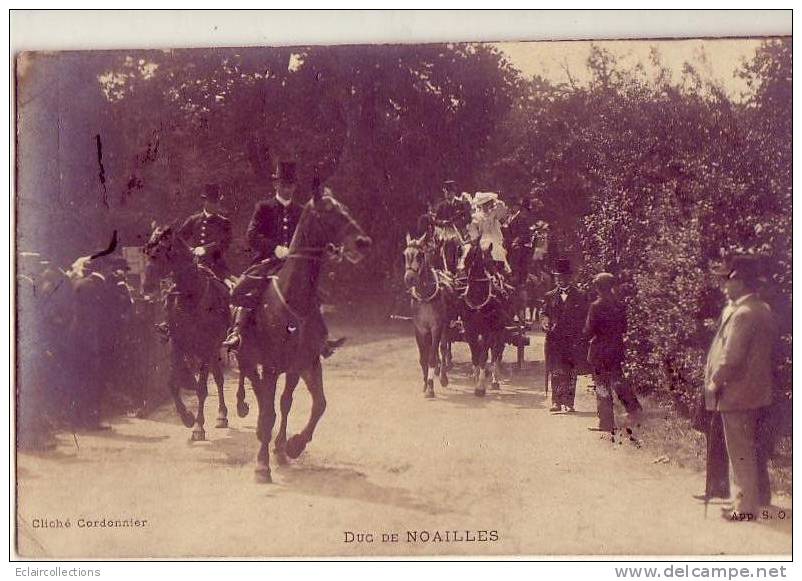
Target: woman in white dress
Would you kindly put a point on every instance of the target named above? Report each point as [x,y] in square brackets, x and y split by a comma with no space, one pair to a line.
[488,216]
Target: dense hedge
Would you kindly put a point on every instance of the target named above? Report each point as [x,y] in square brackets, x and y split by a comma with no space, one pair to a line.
[690,178]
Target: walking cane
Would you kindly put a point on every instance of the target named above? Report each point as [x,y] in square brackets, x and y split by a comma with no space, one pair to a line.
[707,495]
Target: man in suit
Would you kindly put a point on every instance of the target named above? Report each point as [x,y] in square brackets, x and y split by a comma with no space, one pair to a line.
[274,220]
[563,319]
[605,326]
[269,234]
[208,232]
[739,380]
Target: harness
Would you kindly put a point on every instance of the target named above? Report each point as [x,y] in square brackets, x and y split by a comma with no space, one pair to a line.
[440,282]
[488,298]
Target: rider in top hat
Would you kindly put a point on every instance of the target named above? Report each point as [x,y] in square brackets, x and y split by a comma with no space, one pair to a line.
[564,312]
[209,232]
[274,220]
[270,233]
[452,214]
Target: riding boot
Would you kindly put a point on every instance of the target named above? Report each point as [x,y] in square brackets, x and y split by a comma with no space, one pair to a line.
[327,346]
[241,317]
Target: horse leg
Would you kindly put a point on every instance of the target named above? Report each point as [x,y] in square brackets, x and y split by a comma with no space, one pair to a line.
[479,357]
[245,370]
[496,350]
[222,410]
[199,433]
[313,377]
[435,335]
[265,390]
[443,347]
[290,383]
[423,355]
[179,372]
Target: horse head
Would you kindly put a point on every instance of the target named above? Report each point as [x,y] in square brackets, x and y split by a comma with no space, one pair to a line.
[163,251]
[415,260]
[478,261]
[326,224]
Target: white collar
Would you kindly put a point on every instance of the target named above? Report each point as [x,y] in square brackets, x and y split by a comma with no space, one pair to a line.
[282,201]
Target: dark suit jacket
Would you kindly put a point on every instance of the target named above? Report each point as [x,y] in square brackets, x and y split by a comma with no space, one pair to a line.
[213,232]
[272,225]
[605,327]
[564,339]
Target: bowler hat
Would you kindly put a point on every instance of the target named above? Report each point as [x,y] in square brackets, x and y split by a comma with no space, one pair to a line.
[562,266]
[740,266]
[286,173]
[211,192]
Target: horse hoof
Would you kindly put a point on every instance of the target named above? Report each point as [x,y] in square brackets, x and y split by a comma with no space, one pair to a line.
[242,409]
[495,386]
[280,456]
[295,445]
[221,423]
[198,436]
[187,418]
[479,392]
[430,393]
[444,381]
[262,476]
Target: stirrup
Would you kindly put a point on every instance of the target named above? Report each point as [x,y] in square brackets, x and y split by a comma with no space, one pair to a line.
[329,346]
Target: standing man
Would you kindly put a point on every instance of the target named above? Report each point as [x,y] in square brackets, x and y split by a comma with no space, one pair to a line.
[605,327]
[452,214]
[209,233]
[739,380]
[563,319]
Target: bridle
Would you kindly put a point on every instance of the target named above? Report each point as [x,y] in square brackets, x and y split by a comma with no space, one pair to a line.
[416,269]
[487,279]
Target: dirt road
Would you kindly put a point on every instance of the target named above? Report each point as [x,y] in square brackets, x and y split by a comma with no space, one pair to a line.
[455,475]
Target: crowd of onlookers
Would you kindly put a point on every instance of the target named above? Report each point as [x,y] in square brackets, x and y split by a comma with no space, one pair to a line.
[85,343]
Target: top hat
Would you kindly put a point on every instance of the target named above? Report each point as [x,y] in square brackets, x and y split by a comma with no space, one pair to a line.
[211,192]
[740,266]
[286,173]
[562,266]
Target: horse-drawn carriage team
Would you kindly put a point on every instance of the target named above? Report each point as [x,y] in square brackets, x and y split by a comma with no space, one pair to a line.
[476,266]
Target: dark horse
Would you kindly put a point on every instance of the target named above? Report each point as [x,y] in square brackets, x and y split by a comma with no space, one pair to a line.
[285,337]
[484,316]
[197,316]
[430,306]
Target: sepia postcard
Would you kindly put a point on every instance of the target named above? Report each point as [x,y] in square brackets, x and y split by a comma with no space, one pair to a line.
[422,300]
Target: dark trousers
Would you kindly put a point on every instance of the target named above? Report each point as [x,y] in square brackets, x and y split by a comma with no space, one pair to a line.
[563,385]
[717,481]
[609,381]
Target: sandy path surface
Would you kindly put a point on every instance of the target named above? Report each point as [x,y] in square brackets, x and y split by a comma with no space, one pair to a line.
[384,460]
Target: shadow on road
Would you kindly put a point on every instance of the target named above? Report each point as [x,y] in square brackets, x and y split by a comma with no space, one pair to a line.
[305,476]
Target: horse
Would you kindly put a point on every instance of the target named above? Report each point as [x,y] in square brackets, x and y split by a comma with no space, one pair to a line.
[430,297]
[197,317]
[484,316]
[286,333]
